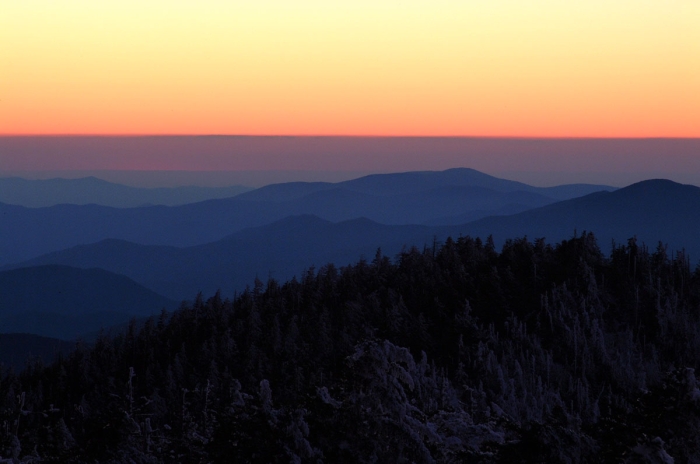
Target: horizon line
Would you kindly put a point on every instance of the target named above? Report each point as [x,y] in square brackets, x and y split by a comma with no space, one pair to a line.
[502,137]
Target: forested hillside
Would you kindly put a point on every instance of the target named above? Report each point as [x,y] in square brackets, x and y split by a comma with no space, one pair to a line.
[453,353]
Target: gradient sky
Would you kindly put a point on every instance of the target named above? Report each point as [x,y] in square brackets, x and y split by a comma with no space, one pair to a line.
[537,68]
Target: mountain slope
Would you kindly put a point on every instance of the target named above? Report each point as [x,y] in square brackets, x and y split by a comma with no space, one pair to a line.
[409,198]
[339,204]
[37,193]
[280,250]
[448,355]
[64,302]
[417,181]
[652,210]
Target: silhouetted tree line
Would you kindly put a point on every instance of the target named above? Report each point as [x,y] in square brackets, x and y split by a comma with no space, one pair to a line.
[453,353]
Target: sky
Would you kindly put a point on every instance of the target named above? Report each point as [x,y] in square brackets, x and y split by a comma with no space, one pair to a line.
[496,68]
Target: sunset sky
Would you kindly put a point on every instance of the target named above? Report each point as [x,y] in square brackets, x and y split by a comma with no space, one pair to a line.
[539,68]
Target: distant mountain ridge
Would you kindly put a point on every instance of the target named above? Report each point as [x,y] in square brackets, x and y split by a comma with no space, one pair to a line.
[394,199]
[64,302]
[37,193]
[653,211]
[414,181]
[279,250]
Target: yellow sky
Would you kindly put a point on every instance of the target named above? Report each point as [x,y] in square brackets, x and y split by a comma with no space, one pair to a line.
[617,68]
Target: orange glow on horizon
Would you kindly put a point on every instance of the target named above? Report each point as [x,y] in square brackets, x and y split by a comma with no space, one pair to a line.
[504,68]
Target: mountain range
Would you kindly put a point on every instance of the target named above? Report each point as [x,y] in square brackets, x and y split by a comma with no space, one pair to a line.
[37,193]
[279,250]
[339,322]
[653,211]
[437,198]
[70,270]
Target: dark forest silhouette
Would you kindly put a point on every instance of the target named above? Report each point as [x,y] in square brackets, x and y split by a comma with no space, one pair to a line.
[453,353]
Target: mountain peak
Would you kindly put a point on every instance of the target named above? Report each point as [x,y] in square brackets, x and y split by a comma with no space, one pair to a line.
[655,182]
[658,186]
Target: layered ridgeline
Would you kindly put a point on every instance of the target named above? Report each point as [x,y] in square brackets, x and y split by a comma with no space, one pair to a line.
[64,302]
[36,193]
[449,354]
[653,211]
[448,197]
[280,250]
